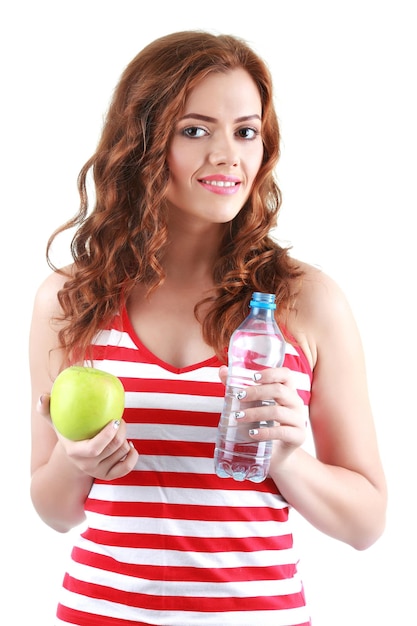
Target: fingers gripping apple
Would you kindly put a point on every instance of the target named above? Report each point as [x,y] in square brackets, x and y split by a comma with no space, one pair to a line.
[84,400]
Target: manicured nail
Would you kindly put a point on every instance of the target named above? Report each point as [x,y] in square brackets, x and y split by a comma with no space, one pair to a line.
[241,394]
[257,376]
[253,431]
[239,414]
[116,424]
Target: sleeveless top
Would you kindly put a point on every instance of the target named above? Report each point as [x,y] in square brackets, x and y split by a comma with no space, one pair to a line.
[171,543]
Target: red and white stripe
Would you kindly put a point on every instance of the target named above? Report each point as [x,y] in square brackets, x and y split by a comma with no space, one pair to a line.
[171,543]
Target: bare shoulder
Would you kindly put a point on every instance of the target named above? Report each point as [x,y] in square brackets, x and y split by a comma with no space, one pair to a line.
[320,311]
[45,325]
[46,301]
[318,288]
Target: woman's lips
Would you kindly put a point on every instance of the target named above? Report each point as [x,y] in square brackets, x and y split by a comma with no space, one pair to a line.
[223,185]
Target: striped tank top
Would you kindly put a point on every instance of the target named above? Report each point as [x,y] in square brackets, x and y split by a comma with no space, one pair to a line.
[171,543]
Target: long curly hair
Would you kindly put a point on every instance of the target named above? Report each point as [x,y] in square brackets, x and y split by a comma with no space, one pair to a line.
[121,241]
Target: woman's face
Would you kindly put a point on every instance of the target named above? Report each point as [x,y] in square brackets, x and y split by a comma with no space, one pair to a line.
[217,148]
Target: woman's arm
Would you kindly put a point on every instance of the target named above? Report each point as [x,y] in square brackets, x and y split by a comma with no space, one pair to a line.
[342,492]
[63,471]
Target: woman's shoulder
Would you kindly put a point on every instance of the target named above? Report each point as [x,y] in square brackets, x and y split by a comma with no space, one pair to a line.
[47,291]
[46,322]
[315,282]
[319,308]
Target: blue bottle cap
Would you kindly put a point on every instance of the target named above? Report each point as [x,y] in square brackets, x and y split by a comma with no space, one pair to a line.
[263,300]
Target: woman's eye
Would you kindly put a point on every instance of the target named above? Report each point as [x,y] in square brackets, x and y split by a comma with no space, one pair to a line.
[194,131]
[247,133]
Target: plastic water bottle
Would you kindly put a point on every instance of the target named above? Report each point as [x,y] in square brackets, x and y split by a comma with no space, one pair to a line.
[255,345]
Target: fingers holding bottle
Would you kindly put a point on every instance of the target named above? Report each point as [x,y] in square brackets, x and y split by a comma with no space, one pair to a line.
[273,409]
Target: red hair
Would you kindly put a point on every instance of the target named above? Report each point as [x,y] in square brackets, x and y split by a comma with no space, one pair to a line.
[121,240]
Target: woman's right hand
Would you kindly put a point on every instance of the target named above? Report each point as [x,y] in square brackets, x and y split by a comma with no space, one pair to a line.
[107,456]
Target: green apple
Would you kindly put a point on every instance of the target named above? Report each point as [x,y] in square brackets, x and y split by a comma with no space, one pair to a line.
[84,400]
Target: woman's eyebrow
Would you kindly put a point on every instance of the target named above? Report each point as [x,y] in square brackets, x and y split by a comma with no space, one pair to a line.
[207,118]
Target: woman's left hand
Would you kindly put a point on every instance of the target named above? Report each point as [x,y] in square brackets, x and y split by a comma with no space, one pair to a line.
[288,414]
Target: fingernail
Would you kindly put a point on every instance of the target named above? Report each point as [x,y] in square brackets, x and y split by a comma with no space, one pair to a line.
[116,424]
[241,394]
[239,414]
[257,376]
[253,431]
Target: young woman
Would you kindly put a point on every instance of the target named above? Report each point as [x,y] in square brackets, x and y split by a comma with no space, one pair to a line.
[165,264]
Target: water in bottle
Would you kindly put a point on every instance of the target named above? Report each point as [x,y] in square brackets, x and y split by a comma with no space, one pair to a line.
[255,345]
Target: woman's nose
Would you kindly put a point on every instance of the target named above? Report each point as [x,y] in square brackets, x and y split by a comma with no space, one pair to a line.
[224,152]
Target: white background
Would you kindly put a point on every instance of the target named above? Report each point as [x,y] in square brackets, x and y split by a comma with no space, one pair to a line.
[345,83]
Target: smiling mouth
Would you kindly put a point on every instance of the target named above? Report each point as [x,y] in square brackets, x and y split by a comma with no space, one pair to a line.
[219,183]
